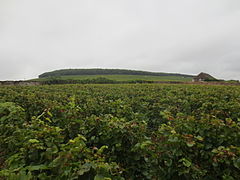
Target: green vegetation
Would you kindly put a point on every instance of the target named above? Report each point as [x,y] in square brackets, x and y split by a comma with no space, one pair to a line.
[77,72]
[119,78]
[127,131]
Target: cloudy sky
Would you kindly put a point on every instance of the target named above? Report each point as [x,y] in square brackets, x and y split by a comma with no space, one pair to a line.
[184,36]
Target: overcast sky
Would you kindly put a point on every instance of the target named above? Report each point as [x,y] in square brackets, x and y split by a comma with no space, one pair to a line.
[184,36]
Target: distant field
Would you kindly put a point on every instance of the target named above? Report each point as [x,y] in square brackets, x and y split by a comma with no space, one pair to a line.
[124,78]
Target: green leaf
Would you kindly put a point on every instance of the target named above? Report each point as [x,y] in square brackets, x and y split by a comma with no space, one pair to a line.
[227,177]
[33,141]
[173,139]
[100,151]
[85,168]
[82,137]
[236,163]
[145,143]
[199,138]
[185,162]
[37,167]
[100,177]
[168,162]
[48,119]
[190,143]
[50,114]
[20,176]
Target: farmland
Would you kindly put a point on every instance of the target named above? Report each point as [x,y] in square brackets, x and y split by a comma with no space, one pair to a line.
[114,75]
[120,131]
[120,78]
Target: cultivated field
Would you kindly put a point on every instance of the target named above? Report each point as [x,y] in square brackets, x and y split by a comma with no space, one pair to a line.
[121,78]
[143,131]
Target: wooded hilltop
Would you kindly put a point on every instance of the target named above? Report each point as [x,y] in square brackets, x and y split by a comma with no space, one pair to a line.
[70,72]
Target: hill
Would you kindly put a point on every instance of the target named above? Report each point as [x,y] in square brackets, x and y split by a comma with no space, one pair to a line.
[69,76]
[67,72]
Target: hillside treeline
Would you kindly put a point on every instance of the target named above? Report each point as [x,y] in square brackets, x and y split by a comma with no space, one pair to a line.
[71,72]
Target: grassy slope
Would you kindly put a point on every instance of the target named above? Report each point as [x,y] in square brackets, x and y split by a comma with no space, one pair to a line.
[123,78]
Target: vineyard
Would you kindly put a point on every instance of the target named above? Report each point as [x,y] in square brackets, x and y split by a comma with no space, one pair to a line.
[120,131]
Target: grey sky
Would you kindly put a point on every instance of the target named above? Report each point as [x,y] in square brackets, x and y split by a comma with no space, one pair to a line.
[185,36]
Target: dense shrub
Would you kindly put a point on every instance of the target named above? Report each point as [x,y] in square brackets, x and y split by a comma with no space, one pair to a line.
[120,132]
